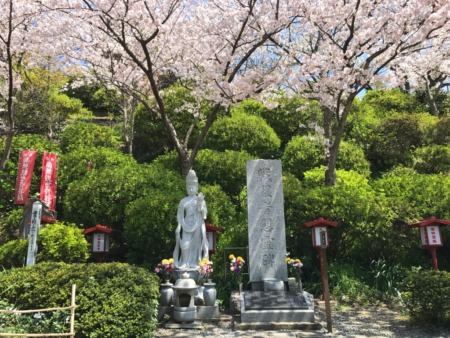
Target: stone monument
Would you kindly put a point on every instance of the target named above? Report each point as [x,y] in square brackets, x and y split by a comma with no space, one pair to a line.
[270,304]
[266,230]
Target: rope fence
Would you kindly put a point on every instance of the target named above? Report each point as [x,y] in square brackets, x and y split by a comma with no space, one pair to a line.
[72,320]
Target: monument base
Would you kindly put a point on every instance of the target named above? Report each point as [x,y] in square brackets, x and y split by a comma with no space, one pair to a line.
[271,307]
[204,313]
[207,313]
[196,325]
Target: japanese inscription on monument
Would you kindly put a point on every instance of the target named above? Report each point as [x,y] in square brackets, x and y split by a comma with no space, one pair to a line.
[266,229]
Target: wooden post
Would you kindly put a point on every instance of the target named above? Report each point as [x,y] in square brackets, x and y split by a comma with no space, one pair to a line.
[433,256]
[72,311]
[326,292]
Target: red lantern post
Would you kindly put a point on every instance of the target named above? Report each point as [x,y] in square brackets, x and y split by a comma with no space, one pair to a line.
[211,236]
[321,242]
[99,241]
[430,235]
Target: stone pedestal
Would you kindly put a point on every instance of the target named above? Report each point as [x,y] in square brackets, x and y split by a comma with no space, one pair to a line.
[276,306]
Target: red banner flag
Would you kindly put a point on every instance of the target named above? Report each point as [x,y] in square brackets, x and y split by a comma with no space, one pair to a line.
[24,175]
[48,180]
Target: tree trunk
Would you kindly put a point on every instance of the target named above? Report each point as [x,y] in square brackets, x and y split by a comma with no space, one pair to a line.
[186,163]
[431,101]
[330,156]
[7,150]
[333,137]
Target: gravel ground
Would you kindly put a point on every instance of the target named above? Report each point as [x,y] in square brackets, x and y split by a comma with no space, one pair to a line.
[377,321]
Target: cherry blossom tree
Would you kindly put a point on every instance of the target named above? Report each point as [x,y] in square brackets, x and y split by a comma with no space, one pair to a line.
[338,49]
[219,49]
[26,40]
[427,70]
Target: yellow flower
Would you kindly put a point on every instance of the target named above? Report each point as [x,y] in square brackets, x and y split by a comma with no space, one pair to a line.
[171,261]
[165,262]
[287,259]
[231,256]
[240,258]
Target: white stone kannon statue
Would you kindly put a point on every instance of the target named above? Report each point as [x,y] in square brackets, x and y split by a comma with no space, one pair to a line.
[191,243]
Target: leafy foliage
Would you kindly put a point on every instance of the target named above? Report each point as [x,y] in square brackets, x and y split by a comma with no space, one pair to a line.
[395,100]
[13,253]
[113,299]
[61,242]
[396,137]
[88,134]
[304,153]
[439,132]
[57,242]
[433,159]
[291,117]
[364,217]
[427,296]
[242,132]
[73,166]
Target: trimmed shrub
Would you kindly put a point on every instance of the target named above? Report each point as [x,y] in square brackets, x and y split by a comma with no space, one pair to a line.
[302,153]
[396,137]
[427,296]
[113,299]
[88,134]
[62,243]
[243,132]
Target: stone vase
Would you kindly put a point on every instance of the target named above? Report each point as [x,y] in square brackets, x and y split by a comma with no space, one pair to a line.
[209,293]
[166,292]
[241,287]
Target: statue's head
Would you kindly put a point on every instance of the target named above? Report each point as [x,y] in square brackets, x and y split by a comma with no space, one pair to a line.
[191,183]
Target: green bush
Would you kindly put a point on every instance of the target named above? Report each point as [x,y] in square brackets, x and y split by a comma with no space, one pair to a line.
[304,153]
[62,243]
[347,285]
[88,135]
[386,102]
[364,217]
[439,132]
[396,137]
[292,116]
[427,296]
[13,253]
[57,243]
[243,132]
[113,299]
[9,224]
[433,159]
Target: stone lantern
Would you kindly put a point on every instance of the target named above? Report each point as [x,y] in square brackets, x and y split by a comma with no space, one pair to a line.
[184,310]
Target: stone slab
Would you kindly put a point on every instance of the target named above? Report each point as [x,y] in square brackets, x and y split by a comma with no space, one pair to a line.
[266,226]
[196,325]
[308,329]
[207,313]
[275,315]
[274,300]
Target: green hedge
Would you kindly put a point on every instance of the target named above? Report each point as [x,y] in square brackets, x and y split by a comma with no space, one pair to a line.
[113,299]
[427,296]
